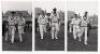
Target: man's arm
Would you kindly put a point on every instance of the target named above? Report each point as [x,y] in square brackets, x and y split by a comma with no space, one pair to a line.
[38,19]
[70,25]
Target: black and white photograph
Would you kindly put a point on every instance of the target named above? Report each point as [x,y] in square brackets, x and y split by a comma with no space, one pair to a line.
[16,25]
[49,25]
[82,26]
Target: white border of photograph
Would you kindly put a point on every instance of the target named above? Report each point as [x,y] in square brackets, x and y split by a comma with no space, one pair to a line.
[49,52]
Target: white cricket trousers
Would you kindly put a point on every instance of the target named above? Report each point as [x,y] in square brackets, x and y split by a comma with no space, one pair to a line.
[85,29]
[12,32]
[42,30]
[20,32]
[54,30]
[76,29]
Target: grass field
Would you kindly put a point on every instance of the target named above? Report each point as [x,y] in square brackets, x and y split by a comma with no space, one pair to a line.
[26,45]
[74,45]
[47,43]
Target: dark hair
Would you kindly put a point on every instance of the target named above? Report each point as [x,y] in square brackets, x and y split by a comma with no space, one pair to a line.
[86,12]
[75,15]
[13,12]
[54,9]
[85,15]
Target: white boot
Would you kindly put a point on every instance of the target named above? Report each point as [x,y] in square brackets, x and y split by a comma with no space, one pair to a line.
[20,37]
[56,35]
[85,43]
[41,37]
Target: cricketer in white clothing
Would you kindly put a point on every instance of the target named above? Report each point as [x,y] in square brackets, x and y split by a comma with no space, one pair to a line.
[42,20]
[54,24]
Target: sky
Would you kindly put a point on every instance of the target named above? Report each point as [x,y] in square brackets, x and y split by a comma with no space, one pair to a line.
[81,6]
[16,5]
[49,5]
[77,6]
